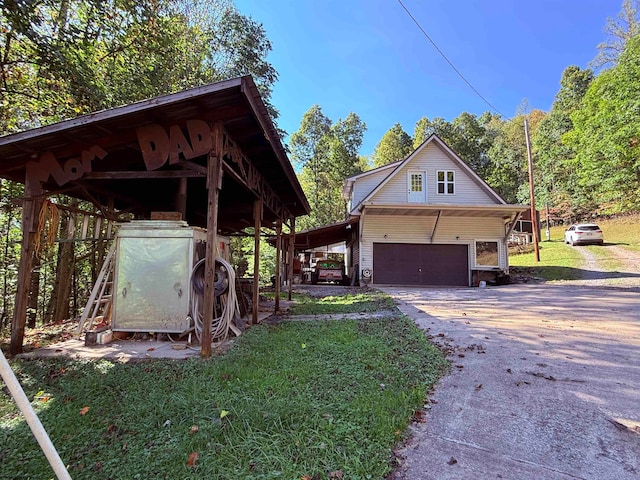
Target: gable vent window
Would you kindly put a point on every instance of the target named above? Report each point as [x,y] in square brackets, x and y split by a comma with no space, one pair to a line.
[446,182]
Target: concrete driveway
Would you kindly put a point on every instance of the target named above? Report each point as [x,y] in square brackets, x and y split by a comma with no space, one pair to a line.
[544,383]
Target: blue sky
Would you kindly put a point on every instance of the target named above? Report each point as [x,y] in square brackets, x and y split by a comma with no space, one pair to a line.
[369,57]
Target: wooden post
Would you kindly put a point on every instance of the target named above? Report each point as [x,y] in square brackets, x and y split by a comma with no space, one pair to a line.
[181,200]
[257,218]
[278,248]
[534,217]
[214,184]
[31,188]
[292,241]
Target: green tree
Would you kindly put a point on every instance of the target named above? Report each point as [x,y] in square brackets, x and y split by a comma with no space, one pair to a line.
[606,134]
[425,128]
[394,145]
[509,171]
[555,166]
[59,59]
[326,153]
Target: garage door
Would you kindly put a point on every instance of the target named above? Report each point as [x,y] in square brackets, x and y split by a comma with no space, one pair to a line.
[419,264]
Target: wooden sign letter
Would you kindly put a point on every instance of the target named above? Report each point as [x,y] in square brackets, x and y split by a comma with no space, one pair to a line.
[179,145]
[200,136]
[154,144]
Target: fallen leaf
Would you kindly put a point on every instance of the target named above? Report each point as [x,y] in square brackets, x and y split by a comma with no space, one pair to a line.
[84,410]
[479,386]
[194,429]
[452,461]
[304,345]
[150,349]
[193,457]
[336,474]
[223,413]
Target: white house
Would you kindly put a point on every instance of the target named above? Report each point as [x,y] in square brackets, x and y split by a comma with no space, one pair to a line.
[427,220]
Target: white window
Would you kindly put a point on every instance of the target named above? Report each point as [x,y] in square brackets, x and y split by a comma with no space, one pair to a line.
[446,182]
[487,253]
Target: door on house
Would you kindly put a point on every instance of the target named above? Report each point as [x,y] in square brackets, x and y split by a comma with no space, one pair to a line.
[417,187]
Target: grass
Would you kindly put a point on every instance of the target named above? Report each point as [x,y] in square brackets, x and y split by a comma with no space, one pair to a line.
[559,261]
[365,302]
[323,399]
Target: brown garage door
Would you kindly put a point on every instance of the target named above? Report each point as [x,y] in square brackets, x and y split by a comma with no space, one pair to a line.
[419,264]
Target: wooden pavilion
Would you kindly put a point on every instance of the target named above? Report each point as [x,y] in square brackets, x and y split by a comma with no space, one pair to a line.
[210,153]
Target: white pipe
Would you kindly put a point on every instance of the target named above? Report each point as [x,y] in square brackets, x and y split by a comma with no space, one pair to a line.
[32,419]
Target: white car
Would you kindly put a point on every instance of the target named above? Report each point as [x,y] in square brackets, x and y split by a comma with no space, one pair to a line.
[583,233]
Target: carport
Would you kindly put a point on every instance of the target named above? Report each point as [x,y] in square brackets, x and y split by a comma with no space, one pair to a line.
[210,154]
[345,231]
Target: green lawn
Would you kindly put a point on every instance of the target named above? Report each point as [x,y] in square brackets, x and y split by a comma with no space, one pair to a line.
[318,399]
[559,261]
[368,301]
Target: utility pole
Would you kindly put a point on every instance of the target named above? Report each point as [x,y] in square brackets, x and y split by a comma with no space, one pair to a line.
[534,217]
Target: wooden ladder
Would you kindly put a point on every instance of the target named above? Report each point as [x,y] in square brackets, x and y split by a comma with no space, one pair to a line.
[101,298]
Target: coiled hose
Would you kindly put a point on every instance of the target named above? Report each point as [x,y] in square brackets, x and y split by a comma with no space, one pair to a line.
[224,288]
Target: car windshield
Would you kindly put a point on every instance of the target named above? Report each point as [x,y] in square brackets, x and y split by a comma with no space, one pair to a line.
[589,227]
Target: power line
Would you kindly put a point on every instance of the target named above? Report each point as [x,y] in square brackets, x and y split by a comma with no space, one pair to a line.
[448,61]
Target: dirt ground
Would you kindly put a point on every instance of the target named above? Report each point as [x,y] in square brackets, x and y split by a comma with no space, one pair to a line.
[597,271]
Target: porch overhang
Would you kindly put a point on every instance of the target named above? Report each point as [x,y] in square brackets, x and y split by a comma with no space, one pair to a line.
[506,212]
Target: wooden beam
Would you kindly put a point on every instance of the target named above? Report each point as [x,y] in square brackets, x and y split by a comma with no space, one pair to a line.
[278,245]
[181,198]
[196,167]
[292,241]
[435,226]
[29,216]
[257,219]
[214,182]
[141,175]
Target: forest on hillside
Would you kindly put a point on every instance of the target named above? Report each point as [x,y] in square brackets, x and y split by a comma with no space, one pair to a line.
[63,58]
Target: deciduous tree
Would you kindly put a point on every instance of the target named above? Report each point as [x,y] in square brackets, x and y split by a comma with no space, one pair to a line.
[606,134]
[394,145]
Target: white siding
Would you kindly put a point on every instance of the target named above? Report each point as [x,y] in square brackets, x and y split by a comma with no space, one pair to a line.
[431,159]
[450,230]
[366,184]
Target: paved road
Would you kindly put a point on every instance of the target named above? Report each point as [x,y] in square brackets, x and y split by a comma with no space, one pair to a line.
[545,383]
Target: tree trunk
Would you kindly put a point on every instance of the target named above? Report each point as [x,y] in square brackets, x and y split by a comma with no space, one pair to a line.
[58,309]
[34,290]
